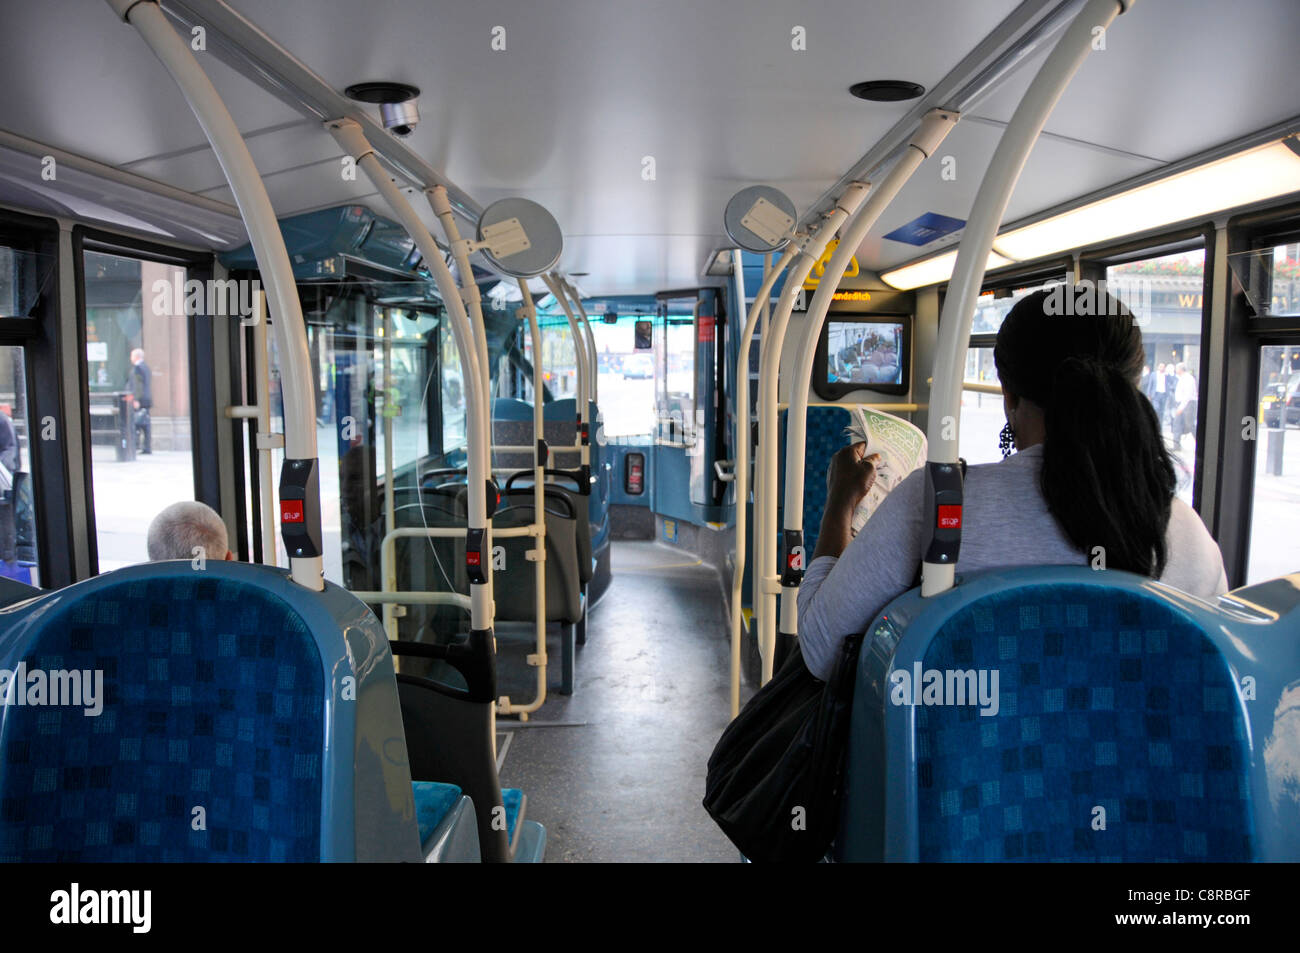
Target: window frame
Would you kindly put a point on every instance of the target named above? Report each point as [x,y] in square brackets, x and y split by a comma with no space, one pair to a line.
[40,337]
[1245,334]
[205,452]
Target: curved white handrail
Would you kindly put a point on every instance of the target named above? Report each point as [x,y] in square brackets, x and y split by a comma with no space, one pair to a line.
[349,136]
[742,450]
[936,125]
[593,364]
[977,240]
[296,374]
[765,548]
[581,398]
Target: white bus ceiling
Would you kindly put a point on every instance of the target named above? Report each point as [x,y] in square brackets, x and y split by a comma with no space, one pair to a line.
[584,92]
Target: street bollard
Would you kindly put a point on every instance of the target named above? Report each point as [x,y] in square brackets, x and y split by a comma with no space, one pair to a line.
[126,428]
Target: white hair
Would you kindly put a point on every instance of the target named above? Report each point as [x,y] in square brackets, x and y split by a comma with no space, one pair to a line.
[183,527]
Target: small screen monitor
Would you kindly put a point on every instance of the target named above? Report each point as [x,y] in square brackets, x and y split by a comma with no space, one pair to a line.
[863,352]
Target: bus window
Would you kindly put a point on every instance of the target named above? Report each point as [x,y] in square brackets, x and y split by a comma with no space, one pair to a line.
[675,379]
[1165,294]
[406,402]
[353,405]
[982,416]
[559,357]
[453,391]
[17,504]
[1275,515]
[138,390]
[627,379]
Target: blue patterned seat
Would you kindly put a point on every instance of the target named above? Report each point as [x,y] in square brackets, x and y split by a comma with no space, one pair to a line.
[241,718]
[824,435]
[1121,728]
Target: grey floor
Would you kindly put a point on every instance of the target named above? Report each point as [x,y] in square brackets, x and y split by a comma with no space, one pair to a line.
[651,699]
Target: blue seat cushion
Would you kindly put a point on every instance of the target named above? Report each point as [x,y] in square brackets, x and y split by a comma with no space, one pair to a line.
[1113,707]
[433,800]
[209,745]
[513,799]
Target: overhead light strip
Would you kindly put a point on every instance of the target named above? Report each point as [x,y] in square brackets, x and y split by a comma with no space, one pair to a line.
[1242,179]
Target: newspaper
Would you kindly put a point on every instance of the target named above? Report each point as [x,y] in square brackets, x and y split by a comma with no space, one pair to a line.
[902,449]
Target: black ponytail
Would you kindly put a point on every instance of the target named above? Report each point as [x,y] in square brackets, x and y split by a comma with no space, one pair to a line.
[1107,476]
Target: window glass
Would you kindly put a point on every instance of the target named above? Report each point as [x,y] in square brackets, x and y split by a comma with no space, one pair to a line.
[406,401]
[982,417]
[370,375]
[993,306]
[1275,513]
[137,358]
[1165,294]
[675,379]
[453,391]
[559,356]
[24,275]
[1269,277]
[1285,284]
[18,551]
[627,379]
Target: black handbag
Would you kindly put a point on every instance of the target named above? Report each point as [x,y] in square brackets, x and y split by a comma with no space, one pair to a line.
[776,775]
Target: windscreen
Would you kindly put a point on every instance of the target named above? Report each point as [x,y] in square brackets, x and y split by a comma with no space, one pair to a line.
[860,352]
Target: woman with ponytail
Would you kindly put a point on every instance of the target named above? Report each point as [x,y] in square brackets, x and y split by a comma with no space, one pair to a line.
[1092,483]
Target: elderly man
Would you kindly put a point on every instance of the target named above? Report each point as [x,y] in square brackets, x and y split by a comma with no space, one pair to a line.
[141,385]
[187,530]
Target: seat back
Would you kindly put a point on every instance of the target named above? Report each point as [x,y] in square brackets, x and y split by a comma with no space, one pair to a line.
[450,733]
[13,590]
[824,436]
[514,588]
[216,714]
[430,563]
[1063,714]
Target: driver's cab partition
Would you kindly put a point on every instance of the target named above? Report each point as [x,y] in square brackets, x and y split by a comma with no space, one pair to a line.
[1068,714]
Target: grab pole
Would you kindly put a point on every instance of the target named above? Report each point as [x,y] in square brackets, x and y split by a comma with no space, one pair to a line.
[968,272]
[300,523]
[769,369]
[349,136]
[741,469]
[583,437]
[593,368]
[933,128]
[470,297]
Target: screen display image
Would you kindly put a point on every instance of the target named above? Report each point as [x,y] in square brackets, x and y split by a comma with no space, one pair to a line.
[862,353]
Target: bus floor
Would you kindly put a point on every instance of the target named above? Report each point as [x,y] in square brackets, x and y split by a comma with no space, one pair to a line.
[616,771]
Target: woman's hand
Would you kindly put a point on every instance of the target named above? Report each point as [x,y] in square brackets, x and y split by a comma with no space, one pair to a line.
[850,477]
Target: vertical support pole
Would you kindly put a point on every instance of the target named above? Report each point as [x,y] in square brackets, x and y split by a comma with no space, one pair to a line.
[389,610]
[349,136]
[553,282]
[934,127]
[743,425]
[300,490]
[768,375]
[977,240]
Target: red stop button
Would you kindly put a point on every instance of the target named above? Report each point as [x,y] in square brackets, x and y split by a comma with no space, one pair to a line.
[291,511]
[949,516]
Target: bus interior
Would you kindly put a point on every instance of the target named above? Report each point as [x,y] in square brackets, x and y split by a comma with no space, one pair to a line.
[511,343]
